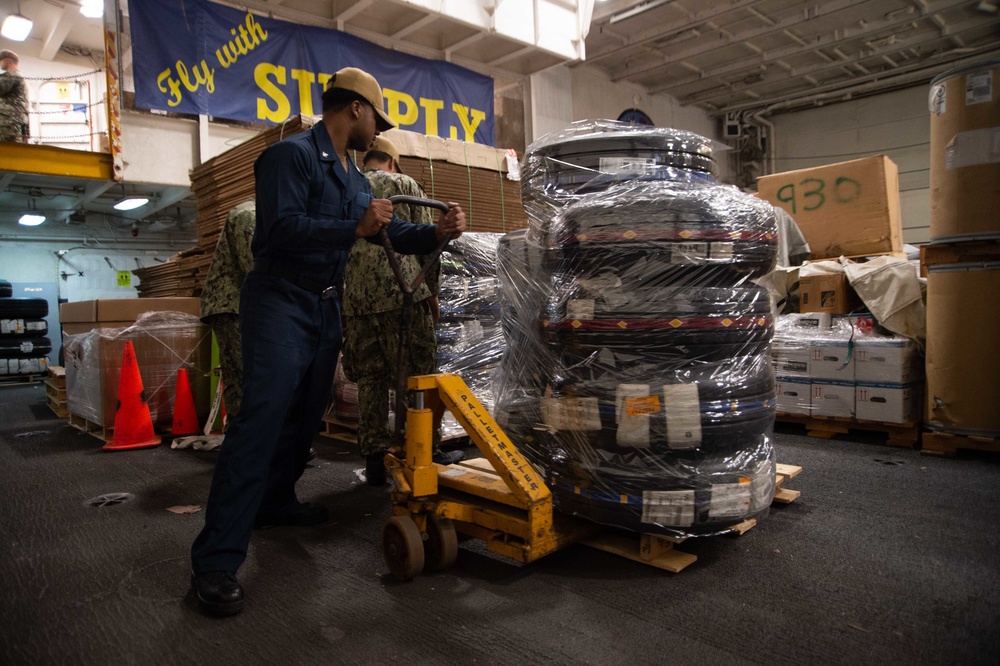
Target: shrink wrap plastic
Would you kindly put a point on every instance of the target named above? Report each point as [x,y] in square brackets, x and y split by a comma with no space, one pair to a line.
[637,373]
[469,339]
[164,342]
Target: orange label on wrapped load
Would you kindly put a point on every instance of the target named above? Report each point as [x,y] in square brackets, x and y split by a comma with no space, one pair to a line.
[639,406]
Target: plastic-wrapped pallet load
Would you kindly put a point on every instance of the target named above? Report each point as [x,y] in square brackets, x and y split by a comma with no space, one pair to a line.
[469,339]
[637,374]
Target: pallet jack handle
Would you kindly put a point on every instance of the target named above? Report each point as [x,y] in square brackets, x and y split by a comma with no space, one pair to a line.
[408,291]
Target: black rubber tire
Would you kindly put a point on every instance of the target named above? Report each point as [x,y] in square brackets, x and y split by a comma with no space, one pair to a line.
[30,328]
[25,308]
[21,347]
[6,289]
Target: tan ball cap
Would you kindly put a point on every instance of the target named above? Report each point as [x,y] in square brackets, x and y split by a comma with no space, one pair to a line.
[364,84]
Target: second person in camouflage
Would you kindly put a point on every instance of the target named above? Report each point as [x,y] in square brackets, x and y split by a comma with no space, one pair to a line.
[372,306]
[13,99]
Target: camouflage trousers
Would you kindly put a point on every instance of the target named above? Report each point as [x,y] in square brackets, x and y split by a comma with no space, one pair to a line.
[227,332]
[370,347]
[11,131]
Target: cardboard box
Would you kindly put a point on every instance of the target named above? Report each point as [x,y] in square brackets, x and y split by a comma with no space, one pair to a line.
[163,341]
[83,316]
[790,358]
[887,361]
[830,398]
[831,294]
[792,395]
[831,359]
[850,208]
[886,403]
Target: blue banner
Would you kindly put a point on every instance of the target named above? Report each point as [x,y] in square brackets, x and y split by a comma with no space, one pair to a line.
[194,56]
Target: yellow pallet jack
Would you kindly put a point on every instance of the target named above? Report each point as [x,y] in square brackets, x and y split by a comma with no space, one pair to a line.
[502,501]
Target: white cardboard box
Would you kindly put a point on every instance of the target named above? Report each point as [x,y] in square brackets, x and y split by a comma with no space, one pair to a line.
[831,398]
[886,403]
[792,395]
[887,361]
[831,360]
[791,359]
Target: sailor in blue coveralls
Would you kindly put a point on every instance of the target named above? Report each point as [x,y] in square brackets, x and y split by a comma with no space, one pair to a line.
[312,204]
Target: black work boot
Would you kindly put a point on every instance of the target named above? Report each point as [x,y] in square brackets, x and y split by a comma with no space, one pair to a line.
[218,592]
[375,473]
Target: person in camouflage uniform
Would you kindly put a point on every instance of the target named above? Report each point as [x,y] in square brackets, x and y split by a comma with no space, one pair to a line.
[373,305]
[220,299]
[13,99]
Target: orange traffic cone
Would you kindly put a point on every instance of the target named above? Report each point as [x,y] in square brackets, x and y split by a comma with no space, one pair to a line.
[185,417]
[133,424]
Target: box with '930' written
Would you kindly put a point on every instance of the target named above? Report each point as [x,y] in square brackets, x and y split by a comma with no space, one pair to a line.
[849,208]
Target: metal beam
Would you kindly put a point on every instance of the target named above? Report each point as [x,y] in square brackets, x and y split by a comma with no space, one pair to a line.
[353,10]
[93,190]
[168,197]
[57,35]
[413,27]
[755,62]
[869,85]
[804,72]
[717,10]
[810,13]
[511,56]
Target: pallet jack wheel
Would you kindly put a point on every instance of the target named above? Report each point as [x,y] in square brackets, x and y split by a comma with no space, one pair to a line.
[441,547]
[402,547]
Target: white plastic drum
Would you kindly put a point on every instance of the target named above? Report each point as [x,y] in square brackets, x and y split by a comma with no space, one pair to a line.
[963,349]
[965,154]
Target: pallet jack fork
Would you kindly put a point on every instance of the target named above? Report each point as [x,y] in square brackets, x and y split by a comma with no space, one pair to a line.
[507,505]
[510,508]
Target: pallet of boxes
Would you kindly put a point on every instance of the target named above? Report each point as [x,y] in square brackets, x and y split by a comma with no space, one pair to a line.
[962,263]
[837,368]
[166,335]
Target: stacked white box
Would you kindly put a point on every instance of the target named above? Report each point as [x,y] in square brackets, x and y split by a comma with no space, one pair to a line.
[887,361]
[832,398]
[792,395]
[831,358]
[887,403]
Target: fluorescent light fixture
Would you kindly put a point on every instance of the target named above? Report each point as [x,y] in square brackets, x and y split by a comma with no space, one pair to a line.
[131,202]
[638,9]
[31,219]
[92,8]
[16,27]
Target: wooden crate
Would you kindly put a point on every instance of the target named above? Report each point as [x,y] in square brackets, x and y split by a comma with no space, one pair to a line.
[57,375]
[947,445]
[905,435]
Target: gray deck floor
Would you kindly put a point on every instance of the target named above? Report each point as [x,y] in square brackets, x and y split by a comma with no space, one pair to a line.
[875,563]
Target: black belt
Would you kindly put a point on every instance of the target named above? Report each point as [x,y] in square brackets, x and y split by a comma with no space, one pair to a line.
[299,279]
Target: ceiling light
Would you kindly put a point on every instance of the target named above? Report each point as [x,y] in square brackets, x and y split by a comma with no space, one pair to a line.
[638,9]
[92,8]
[130,203]
[31,217]
[16,27]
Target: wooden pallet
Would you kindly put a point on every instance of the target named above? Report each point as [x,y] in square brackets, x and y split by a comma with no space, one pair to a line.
[947,445]
[100,432]
[974,251]
[20,380]
[906,435]
[344,431]
[657,550]
[59,408]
